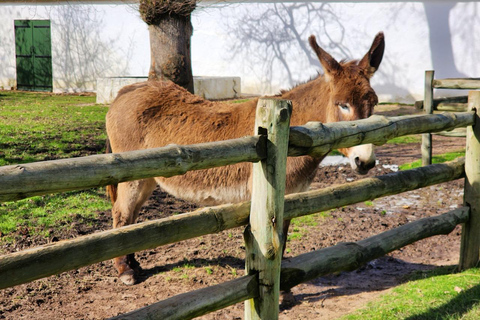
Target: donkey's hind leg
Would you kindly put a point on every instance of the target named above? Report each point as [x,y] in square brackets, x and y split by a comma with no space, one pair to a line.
[130,198]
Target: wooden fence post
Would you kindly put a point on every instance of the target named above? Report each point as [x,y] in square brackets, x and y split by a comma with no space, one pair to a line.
[428,109]
[469,250]
[264,236]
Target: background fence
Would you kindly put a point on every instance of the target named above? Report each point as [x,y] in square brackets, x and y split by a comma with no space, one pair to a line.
[263,241]
[430,104]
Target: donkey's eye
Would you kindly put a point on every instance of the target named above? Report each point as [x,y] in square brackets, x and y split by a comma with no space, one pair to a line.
[345,107]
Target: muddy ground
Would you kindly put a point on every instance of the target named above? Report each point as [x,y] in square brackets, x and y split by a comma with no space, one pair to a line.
[94,292]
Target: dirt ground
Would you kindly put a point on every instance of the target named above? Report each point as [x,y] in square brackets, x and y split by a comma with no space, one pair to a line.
[94,292]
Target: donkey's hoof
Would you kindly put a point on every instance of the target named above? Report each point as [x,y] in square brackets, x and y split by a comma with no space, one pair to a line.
[128,277]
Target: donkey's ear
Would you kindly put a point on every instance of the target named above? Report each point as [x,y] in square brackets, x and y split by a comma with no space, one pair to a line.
[329,64]
[371,61]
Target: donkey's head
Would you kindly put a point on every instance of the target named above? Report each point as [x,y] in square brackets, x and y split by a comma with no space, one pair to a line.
[351,96]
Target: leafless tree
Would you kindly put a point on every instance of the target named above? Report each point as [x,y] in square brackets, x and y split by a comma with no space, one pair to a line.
[170,28]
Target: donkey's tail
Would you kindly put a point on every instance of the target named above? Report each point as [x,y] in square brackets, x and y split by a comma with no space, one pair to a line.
[111,189]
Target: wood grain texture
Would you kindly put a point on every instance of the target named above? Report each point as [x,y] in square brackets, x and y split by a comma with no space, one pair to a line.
[469,250]
[426,147]
[39,178]
[457,83]
[263,236]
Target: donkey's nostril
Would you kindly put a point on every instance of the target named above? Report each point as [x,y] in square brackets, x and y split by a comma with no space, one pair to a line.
[370,165]
[358,162]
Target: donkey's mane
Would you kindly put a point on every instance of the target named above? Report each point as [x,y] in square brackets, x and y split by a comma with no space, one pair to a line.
[312,78]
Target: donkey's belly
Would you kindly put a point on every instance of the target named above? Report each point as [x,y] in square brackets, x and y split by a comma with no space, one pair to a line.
[231,184]
[214,186]
[207,197]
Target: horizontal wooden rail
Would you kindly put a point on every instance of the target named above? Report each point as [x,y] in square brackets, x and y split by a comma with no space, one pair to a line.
[452,107]
[350,256]
[457,83]
[199,302]
[35,263]
[316,138]
[308,266]
[444,100]
[38,178]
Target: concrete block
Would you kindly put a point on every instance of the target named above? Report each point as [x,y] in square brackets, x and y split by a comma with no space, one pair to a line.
[107,88]
[212,88]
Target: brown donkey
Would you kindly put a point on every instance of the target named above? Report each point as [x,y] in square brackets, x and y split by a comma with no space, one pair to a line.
[155,114]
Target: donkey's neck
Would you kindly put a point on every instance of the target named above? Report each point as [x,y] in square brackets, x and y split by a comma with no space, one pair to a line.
[310,101]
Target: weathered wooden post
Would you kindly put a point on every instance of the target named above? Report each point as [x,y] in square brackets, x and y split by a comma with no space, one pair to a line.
[469,250]
[428,109]
[264,236]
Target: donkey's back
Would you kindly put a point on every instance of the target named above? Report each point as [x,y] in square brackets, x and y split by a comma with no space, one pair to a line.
[158,113]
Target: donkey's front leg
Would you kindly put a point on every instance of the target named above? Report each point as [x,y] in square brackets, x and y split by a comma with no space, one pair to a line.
[129,199]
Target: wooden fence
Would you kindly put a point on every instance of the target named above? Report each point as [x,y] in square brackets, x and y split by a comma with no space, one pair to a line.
[429,104]
[268,150]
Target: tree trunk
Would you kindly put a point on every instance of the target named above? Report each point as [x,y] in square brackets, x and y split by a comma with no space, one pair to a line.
[170,31]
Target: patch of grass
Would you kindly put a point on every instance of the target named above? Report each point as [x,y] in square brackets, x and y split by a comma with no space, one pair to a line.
[43,126]
[435,159]
[41,213]
[299,225]
[405,139]
[433,296]
[369,203]
[308,220]
[239,101]
[208,270]
[335,153]
[295,236]
[37,127]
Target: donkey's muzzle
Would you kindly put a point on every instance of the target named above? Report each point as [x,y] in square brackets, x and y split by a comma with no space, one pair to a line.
[362,167]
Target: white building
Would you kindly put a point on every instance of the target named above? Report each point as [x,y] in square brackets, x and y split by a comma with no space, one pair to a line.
[264,43]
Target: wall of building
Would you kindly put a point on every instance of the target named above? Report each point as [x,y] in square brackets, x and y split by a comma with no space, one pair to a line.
[263,43]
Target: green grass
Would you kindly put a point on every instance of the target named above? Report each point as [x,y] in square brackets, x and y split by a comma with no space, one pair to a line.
[42,126]
[299,226]
[42,213]
[405,139]
[435,159]
[368,203]
[37,127]
[434,295]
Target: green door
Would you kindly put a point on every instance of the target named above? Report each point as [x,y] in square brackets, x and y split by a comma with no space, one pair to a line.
[33,50]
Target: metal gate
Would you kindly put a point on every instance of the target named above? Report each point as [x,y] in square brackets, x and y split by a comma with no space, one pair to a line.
[33,51]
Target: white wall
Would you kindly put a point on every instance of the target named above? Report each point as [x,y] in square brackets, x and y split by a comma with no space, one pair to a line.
[88,41]
[263,43]
[266,44]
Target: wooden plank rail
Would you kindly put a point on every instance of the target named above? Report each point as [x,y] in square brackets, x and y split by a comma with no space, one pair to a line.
[308,266]
[316,138]
[457,83]
[35,263]
[39,178]
[199,302]
[453,103]
[444,101]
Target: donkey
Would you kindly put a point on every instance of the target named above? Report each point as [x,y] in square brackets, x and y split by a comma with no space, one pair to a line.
[157,113]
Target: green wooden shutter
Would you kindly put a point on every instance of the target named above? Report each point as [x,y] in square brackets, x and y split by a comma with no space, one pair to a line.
[33,51]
